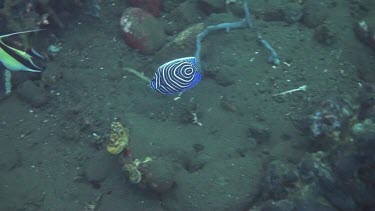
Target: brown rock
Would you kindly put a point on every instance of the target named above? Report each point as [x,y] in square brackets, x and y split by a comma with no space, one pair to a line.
[159,176]
[141,30]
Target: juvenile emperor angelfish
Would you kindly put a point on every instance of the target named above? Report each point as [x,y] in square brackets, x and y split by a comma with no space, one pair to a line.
[176,76]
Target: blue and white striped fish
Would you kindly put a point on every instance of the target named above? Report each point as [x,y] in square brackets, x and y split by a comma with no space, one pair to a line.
[176,76]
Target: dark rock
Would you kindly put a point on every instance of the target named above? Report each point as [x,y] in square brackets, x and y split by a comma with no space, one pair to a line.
[212,6]
[261,133]
[159,175]
[325,35]
[198,147]
[292,13]
[306,169]
[220,77]
[185,14]
[273,181]
[315,12]
[142,31]
[32,94]
[290,178]
[362,193]
[152,6]
[98,167]
[346,165]
[333,191]
[197,163]
[170,5]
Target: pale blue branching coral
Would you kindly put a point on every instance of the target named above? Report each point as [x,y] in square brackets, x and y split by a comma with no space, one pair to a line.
[244,23]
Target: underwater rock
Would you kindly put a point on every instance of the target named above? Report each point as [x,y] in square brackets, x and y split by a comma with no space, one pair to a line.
[273,181]
[290,13]
[325,35]
[159,176]
[331,118]
[141,30]
[181,45]
[315,12]
[98,168]
[212,6]
[220,77]
[337,196]
[197,163]
[152,6]
[185,14]
[32,94]
[260,132]
[346,165]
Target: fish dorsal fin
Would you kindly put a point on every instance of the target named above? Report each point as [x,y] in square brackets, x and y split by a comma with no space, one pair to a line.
[22,32]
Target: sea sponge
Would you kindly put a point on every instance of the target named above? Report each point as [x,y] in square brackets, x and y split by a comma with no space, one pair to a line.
[119,138]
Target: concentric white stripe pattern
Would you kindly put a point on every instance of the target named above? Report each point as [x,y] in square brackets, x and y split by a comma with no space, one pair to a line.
[176,76]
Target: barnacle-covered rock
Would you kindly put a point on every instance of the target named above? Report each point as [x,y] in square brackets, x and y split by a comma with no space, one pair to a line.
[133,171]
[331,118]
[119,138]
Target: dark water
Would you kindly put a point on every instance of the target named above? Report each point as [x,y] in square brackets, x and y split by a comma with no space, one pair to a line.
[232,142]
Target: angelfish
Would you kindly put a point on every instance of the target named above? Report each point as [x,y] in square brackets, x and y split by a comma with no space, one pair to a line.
[176,76]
